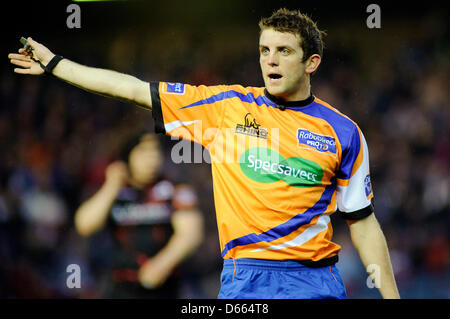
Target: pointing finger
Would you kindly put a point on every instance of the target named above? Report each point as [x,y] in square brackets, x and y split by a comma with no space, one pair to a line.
[16,56]
[22,71]
[24,64]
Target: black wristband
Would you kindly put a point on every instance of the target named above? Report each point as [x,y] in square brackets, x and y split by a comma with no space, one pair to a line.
[51,65]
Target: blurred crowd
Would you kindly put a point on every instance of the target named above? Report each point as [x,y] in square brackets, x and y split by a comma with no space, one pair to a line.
[56,141]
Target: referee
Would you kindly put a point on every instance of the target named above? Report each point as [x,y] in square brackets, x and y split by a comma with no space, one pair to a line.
[298,160]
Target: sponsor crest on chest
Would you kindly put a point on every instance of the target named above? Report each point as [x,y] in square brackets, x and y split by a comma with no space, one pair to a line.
[320,143]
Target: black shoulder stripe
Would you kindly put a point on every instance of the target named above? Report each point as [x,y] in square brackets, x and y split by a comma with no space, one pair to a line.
[156,108]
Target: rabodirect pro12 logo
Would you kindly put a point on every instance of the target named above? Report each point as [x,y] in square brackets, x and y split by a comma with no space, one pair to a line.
[174,88]
[320,143]
[267,166]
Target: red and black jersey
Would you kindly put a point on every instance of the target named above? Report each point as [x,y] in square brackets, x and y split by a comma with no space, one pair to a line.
[140,220]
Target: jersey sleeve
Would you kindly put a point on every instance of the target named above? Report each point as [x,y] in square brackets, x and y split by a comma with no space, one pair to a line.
[354,188]
[186,111]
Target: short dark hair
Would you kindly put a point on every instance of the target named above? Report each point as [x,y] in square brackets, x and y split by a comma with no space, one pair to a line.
[293,21]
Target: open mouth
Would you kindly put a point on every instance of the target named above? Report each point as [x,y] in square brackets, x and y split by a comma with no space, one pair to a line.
[275,76]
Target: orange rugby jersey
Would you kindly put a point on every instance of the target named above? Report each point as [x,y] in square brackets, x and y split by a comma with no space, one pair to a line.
[279,169]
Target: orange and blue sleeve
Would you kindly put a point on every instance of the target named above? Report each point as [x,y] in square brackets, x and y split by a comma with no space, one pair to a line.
[186,111]
[354,188]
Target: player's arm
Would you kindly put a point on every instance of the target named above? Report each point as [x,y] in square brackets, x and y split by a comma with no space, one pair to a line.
[187,236]
[368,239]
[91,216]
[101,81]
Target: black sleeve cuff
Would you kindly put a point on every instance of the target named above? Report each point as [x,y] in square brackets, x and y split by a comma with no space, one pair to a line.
[358,214]
[156,108]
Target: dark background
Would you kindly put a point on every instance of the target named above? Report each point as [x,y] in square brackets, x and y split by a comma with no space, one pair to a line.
[56,140]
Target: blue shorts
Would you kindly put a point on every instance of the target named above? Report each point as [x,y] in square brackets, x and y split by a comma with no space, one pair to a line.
[269,279]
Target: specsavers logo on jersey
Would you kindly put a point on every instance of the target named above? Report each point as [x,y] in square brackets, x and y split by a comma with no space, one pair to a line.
[320,143]
[267,166]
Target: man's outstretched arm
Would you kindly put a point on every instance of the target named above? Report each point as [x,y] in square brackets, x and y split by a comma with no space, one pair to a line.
[369,241]
[101,81]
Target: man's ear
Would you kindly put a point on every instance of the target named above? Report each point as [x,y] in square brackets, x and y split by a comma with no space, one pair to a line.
[312,63]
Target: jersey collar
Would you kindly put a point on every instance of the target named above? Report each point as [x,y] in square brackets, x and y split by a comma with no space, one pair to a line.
[288,104]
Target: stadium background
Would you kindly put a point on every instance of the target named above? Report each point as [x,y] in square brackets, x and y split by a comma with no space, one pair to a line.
[56,140]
